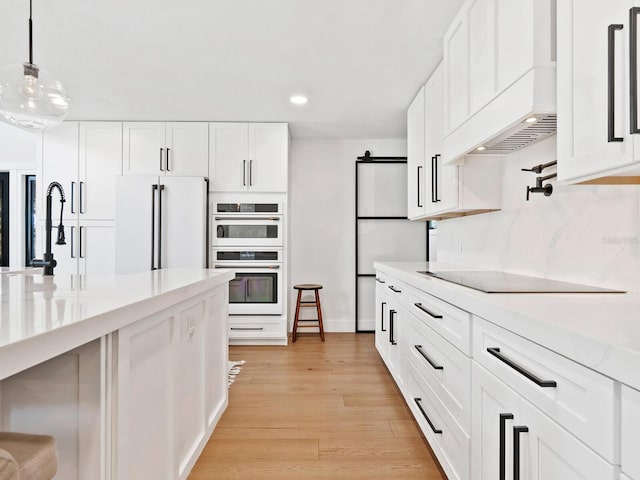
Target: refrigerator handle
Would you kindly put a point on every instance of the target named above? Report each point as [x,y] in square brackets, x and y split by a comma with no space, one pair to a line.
[154,187]
[206,223]
[160,188]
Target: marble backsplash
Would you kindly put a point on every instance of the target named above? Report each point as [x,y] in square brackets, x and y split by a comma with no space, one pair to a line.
[584,234]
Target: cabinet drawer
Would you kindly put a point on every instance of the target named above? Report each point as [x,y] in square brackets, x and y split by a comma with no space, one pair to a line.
[577,398]
[448,441]
[238,329]
[449,321]
[630,431]
[445,368]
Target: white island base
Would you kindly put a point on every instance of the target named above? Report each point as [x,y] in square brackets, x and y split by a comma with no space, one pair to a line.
[129,374]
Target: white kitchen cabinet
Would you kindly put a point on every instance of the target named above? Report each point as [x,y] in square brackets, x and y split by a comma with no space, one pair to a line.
[499,69]
[630,431]
[248,157]
[216,356]
[416,143]
[172,149]
[595,138]
[382,317]
[96,248]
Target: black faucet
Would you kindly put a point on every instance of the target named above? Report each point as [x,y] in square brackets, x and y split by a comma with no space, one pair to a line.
[48,263]
[539,188]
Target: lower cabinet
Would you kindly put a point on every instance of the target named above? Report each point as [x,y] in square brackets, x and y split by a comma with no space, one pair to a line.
[630,432]
[171,370]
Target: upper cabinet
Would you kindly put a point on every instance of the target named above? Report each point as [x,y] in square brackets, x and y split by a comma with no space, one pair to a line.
[499,70]
[416,133]
[158,148]
[597,96]
[248,157]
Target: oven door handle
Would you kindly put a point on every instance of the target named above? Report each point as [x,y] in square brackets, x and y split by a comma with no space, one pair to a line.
[274,219]
[255,267]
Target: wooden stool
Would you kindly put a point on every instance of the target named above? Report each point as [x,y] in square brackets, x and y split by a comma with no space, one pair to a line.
[24,456]
[307,303]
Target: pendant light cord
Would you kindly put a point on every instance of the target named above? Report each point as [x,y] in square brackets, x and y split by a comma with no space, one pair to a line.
[30,32]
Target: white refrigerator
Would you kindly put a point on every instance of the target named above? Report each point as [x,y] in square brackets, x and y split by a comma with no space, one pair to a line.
[160,223]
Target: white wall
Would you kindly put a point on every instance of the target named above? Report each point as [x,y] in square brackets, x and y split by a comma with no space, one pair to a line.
[585,234]
[322,221]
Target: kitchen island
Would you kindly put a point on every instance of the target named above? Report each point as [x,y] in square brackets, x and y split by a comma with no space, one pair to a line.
[128,372]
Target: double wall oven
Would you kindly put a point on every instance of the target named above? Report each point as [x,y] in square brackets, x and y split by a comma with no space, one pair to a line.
[248,237]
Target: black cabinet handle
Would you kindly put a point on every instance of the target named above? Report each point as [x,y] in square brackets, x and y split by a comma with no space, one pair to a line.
[160,190]
[426,417]
[418,192]
[427,358]
[435,177]
[244,173]
[379,280]
[81,255]
[392,316]
[167,160]
[541,383]
[81,201]
[154,187]
[503,420]
[248,329]
[382,305]
[431,314]
[394,289]
[72,235]
[161,151]
[516,450]
[250,173]
[433,180]
[611,92]
[633,69]
[73,188]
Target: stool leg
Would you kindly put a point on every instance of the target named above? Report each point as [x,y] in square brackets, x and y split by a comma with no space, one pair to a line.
[295,321]
[319,315]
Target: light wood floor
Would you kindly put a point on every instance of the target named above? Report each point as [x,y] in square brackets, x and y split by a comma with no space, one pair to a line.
[315,410]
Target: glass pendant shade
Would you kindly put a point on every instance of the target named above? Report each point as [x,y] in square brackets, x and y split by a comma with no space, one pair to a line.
[31,98]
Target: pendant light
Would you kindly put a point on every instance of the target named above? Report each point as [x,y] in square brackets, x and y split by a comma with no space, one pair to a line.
[30,97]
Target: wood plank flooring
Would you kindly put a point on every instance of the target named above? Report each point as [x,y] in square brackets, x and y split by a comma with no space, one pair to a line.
[316,410]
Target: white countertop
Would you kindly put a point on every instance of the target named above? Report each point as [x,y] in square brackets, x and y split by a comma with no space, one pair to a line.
[598,330]
[41,317]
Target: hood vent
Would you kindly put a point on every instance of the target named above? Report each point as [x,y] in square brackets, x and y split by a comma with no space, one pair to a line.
[521,135]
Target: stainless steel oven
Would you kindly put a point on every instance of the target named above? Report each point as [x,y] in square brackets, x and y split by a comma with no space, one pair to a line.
[258,286]
[248,224]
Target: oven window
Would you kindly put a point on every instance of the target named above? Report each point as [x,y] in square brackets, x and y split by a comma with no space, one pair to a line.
[254,288]
[247,231]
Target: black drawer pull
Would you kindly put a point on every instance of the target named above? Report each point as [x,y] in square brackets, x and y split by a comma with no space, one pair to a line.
[426,357]
[379,280]
[503,420]
[248,329]
[432,315]
[541,383]
[426,417]
[382,329]
[392,317]
[516,450]
[394,289]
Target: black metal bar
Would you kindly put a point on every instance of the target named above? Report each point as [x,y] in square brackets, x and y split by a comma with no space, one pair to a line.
[30,32]
[250,173]
[431,314]
[435,177]
[426,417]
[541,383]
[382,218]
[274,219]
[379,280]
[80,254]
[160,189]
[516,450]
[206,224]
[365,159]
[73,191]
[161,150]
[503,420]
[382,305]
[254,267]
[248,329]
[72,236]
[356,249]
[433,180]
[244,173]
[633,69]
[427,358]
[80,188]
[392,316]
[366,275]
[167,159]
[154,187]
[418,190]
[611,77]
[393,289]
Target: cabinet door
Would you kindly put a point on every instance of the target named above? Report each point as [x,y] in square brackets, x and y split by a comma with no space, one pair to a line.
[268,157]
[60,164]
[382,320]
[217,352]
[630,431]
[228,156]
[481,16]
[187,149]
[96,249]
[549,452]
[100,163]
[583,103]
[416,175]
[144,148]
[495,411]
[190,386]
[456,73]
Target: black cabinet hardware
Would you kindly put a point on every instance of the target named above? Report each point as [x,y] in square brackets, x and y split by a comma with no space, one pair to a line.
[516,450]
[167,159]
[382,305]
[161,151]
[80,188]
[503,420]
[160,190]
[72,235]
[427,358]
[426,417]
[80,254]
[73,188]
[418,192]
[541,383]
[435,178]
[633,68]
[154,187]
[244,173]
[391,287]
[379,280]
[248,329]
[611,88]
[392,317]
[431,314]
[250,173]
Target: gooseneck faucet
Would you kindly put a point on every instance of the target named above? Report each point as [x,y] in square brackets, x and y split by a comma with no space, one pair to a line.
[48,263]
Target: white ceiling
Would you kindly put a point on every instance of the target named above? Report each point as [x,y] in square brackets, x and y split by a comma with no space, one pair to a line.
[359,61]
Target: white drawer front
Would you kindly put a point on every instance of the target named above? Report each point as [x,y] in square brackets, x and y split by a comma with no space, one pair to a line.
[444,367]
[451,445]
[254,329]
[630,432]
[582,400]
[449,321]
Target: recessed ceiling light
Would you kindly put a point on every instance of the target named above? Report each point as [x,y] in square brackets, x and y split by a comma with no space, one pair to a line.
[481,148]
[298,99]
[531,120]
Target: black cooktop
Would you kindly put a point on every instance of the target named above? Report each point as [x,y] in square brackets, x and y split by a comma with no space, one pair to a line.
[501,282]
